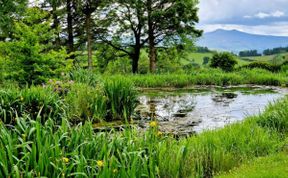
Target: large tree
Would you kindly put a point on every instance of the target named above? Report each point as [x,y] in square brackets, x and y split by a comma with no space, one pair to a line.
[87,8]
[135,23]
[170,20]
[124,28]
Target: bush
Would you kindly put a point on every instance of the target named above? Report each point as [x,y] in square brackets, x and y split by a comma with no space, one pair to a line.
[30,58]
[263,65]
[35,102]
[224,61]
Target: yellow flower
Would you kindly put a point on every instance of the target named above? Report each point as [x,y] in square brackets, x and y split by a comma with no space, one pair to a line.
[159,133]
[65,160]
[153,124]
[21,98]
[115,170]
[100,163]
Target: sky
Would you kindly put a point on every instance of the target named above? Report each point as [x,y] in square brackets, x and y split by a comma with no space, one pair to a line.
[265,17]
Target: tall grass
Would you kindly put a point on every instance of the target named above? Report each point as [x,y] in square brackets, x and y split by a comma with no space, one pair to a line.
[208,77]
[35,102]
[108,101]
[121,98]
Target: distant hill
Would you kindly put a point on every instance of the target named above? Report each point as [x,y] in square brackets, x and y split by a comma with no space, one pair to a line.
[235,41]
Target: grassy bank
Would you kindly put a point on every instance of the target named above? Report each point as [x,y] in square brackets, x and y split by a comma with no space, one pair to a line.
[271,166]
[32,148]
[207,77]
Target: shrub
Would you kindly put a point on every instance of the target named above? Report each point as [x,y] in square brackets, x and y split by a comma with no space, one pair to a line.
[263,65]
[29,58]
[35,102]
[206,60]
[225,61]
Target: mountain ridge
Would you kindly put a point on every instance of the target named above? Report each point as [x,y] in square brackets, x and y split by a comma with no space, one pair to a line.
[235,41]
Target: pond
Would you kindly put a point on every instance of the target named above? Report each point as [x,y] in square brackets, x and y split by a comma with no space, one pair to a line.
[188,111]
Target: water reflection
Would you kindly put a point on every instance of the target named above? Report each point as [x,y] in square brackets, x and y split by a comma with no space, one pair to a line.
[197,111]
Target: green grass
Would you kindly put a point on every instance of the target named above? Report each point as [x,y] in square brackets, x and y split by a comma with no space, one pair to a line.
[206,77]
[198,59]
[266,167]
[273,59]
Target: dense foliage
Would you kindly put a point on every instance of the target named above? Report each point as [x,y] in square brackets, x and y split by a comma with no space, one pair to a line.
[275,51]
[29,57]
[249,53]
[224,61]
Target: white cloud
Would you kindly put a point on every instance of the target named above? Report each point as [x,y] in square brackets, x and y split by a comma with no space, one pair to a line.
[252,16]
[211,11]
[263,15]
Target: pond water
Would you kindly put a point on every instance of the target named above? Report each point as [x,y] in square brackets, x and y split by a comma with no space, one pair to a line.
[188,111]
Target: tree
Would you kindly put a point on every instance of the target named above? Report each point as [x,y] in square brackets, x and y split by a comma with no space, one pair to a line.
[9,10]
[29,56]
[124,28]
[206,60]
[170,20]
[224,61]
[248,53]
[135,23]
[87,8]
[56,11]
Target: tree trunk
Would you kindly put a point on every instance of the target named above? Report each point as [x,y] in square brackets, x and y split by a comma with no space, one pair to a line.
[135,60]
[136,53]
[56,25]
[89,40]
[152,57]
[151,38]
[70,43]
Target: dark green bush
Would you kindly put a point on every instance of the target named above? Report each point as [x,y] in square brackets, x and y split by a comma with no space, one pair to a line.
[30,58]
[224,61]
[263,65]
[35,102]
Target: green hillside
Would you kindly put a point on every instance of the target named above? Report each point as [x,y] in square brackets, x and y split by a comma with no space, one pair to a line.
[274,59]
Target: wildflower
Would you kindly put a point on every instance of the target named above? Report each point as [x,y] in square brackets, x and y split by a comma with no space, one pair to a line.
[21,98]
[100,163]
[65,160]
[159,133]
[153,124]
[115,170]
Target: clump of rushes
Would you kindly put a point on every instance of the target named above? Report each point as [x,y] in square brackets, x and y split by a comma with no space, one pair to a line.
[37,102]
[86,103]
[121,99]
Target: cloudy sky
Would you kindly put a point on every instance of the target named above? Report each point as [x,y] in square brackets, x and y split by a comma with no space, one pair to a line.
[268,17]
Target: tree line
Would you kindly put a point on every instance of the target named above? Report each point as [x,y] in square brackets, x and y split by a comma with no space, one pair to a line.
[126,26]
